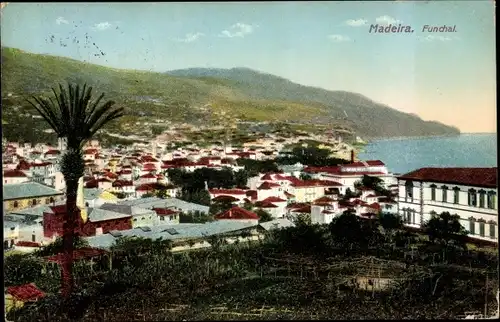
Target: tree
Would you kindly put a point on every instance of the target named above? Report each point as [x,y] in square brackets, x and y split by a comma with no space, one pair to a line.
[219,206]
[445,228]
[161,193]
[390,222]
[305,176]
[263,215]
[346,230]
[157,130]
[303,219]
[76,117]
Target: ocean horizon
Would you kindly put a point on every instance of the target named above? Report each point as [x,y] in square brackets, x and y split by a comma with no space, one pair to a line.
[402,155]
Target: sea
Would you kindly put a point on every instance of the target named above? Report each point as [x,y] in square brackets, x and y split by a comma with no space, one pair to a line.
[402,155]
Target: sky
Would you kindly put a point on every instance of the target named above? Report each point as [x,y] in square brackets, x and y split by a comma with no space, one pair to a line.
[447,77]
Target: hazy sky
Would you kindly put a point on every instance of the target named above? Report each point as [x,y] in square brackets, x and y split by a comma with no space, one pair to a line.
[449,77]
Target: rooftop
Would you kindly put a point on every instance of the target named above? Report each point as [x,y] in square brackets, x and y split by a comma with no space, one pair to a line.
[478,177]
[27,190]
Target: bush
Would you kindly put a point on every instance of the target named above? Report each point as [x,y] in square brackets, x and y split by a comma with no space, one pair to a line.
[22,269]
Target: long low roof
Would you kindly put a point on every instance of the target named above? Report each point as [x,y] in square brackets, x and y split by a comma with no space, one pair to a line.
[28,190]
[478,177]
[169,232]
[154,202]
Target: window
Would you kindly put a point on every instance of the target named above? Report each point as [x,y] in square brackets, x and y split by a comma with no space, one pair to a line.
[409,190]
[33,202]
[492,230]
[51,199]
[433,192]
[482,193]
[491,199]
[16,204]
[445,193]
[472,226]
[33,238]
[472,198]
[456,195]
[481,228]
[162,218]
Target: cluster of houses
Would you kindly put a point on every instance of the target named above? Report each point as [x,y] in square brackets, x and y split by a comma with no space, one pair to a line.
[116,193]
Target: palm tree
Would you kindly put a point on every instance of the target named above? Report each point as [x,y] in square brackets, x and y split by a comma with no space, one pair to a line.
[73,116]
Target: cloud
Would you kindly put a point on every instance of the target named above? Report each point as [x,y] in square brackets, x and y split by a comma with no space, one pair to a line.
[102,26]
[387,20]
[435,38]
[339,38]
[356,23]
[61,20]
[238,30]
[190,37]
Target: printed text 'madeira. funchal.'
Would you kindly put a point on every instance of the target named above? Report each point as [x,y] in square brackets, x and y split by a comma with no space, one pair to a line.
[399,28]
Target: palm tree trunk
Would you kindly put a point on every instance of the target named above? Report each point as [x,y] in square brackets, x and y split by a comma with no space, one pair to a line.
[67,282]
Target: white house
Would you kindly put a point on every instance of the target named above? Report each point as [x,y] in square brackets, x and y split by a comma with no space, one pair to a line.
[470,193]
[14,177]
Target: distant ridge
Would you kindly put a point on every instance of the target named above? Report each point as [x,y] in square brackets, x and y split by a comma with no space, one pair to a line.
[179,95]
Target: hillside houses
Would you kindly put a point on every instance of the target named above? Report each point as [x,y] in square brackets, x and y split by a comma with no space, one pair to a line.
[120,189]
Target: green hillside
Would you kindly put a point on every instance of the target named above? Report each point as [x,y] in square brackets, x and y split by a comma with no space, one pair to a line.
[149,96]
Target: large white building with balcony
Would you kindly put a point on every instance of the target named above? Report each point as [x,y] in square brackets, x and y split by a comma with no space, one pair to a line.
[470,193]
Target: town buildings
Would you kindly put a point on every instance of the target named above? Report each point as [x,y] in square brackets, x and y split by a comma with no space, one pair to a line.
[470,193]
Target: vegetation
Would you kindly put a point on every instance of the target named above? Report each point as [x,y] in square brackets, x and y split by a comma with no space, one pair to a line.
[311,156]
[75,117]
[263,215]
[302,272]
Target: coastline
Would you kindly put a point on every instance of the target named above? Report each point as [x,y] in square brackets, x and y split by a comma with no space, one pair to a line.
[400,138]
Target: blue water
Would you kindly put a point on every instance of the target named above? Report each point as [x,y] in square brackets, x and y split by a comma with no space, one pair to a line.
[408,154]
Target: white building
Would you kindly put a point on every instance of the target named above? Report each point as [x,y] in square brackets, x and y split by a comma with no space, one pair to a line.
[470,193]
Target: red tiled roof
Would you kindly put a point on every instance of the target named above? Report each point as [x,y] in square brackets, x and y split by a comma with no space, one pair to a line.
[146,187]
[226,191]
[27,244]
[41,164]
[122,183]
[225,198]
[165,211]
[265,204]
[149,166]
[26,293]
[324,199]
[297,205]
[252,194]
[14,174]
[78,254]
[52,152]
[289,195]
[148,176]
[375,206]
[237,213]
[267,176]
[305,209]
[91,184]
[316,183]
[90,151]
[274,199]
[479,177]
[23,165]
[266,185]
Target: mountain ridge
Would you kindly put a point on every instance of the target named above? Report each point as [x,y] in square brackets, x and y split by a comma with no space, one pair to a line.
[180,95]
